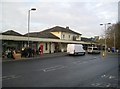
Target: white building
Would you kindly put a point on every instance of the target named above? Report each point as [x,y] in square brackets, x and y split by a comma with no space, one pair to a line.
[51,40]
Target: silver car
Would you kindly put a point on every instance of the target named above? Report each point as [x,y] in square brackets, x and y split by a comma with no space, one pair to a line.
[91,50]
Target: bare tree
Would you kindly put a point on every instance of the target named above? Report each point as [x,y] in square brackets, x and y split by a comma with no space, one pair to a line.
[113,36]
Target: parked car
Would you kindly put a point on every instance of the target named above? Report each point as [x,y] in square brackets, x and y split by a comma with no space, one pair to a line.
[75,49]
[91,50]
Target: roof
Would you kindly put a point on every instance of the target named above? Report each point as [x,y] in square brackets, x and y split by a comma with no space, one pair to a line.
[23,38]
[11,32]
[41,35]
[47,33]
[61,29]
[87,39]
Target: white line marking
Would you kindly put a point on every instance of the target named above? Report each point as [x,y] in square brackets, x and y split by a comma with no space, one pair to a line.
[108,85]
[103,76]
[53,68]
[96,84]
[9,77]
[77,62]
[111,77]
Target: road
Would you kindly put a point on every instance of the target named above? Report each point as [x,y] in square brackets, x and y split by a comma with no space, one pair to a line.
[65,71]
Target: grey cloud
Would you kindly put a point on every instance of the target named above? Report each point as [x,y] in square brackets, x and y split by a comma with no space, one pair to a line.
[82,17]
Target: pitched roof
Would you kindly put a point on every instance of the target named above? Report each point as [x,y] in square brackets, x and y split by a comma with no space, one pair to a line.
[11,32]
[41,35]
[47,33]
[87,39]
[61,29]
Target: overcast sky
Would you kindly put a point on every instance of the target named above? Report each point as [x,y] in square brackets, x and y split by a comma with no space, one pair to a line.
[83,16]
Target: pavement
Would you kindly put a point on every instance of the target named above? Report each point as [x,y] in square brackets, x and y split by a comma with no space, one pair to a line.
[47,55]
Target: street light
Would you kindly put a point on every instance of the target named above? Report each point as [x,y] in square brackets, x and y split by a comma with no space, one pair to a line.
[32,9]
[105,34]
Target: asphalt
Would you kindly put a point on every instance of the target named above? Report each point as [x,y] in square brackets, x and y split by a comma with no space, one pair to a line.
[64,71]
[47,55]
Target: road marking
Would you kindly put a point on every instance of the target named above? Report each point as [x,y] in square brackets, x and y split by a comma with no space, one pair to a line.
[101,84]
[103,76]
[108,76]
[9,77]
[96,84]
[80,62]
[53,68]
[111,77]
[77,62]
[108,85]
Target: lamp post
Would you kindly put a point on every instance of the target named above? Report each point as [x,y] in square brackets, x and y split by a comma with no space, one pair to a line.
[105,34]
[32,9]
[114,42]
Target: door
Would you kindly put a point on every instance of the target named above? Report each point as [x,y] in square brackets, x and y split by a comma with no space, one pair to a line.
[41,49]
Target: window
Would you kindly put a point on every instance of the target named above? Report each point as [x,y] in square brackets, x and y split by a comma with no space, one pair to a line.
[46,47]
[63,36]
[69,36]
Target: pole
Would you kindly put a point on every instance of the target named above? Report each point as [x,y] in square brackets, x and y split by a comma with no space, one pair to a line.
[114,41]
[104,53]
[28,25]
[105,39]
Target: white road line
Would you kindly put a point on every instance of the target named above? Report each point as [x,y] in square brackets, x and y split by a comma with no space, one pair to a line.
[79,62]
[48,68]
[53,68]
[108,85]
[111,77]
[9,77]
[76,62]
[96,84]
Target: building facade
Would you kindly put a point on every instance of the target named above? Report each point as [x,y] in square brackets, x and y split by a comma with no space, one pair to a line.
[50,40]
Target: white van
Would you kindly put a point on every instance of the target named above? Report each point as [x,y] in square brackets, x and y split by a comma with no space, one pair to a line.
[75,49]
[93,50]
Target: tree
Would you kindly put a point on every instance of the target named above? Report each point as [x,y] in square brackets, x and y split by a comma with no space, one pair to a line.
[114,29]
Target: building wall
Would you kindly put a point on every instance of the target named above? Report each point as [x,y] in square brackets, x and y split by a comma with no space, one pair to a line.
[66,36]
[52,47]
[63,47]
[69,36]
[58,34]
[47,47]
[78,37]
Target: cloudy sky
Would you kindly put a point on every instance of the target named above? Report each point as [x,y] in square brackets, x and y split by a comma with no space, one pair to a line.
[83,16]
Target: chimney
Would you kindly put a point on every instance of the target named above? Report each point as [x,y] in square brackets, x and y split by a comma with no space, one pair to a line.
[67,27]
